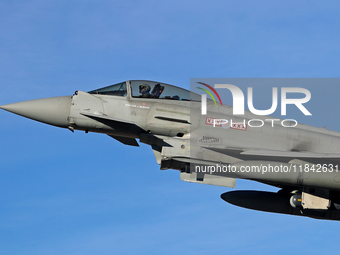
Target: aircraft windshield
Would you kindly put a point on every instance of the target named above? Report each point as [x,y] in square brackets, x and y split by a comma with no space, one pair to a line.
[113,90]
[150,89]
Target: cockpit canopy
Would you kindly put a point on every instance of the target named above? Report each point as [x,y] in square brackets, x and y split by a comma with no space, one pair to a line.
[118,89]
[146,89]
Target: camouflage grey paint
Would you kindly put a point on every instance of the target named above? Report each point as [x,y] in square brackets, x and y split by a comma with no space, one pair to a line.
[182,140]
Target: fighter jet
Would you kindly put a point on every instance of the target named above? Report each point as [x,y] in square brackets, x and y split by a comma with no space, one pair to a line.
[302,161]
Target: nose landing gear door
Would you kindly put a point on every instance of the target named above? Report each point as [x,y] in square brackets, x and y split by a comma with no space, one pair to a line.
[83,102]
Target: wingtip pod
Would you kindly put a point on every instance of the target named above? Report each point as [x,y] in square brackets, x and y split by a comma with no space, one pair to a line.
[275,203]
[258,200]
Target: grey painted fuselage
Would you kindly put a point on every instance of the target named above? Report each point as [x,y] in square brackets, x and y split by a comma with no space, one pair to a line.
[301,160]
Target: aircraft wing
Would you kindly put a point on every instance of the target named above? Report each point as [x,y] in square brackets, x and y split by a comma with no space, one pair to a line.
[103,117]
[117,124]
[126,140]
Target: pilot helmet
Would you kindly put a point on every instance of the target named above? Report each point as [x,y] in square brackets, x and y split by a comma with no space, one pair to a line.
[144,88]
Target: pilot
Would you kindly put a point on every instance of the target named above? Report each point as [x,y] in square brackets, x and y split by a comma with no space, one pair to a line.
[144,90]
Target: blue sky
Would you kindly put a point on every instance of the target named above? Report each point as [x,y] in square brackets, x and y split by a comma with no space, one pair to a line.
[64,193]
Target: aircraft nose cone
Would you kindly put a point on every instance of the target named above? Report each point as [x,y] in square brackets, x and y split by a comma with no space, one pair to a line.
[52,111]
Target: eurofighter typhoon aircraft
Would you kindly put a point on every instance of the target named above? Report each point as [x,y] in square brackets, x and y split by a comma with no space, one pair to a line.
[301,160]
